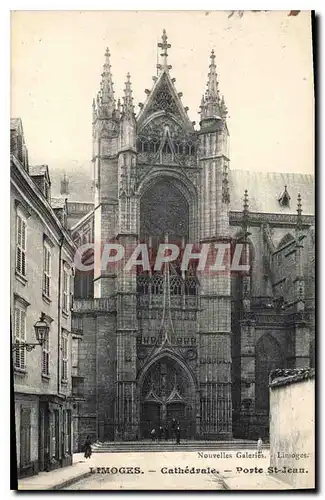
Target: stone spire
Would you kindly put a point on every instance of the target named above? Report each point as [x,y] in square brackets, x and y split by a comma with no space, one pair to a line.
[212,106]
[245,218]
[106,93]
[64,189]
[299,213]
[128,107]
[163,66]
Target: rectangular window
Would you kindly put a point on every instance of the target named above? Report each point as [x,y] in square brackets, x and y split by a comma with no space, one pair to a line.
[75,352]
[46,356]
[21,233]
[19,336]
[25,431]
[64,356]
[46,270]
[65,290]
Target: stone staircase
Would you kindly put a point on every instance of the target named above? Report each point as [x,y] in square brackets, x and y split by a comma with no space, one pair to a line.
[165,446]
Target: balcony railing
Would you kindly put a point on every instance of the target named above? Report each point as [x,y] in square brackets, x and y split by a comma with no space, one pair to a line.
[91,305]
[177,302]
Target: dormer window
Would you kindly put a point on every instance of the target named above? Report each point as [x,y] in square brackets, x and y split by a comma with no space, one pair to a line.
[284,199]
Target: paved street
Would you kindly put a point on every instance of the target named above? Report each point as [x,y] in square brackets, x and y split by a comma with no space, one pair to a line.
[158,471]
[150,476]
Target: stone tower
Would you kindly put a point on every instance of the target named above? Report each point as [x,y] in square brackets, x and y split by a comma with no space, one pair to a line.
[215,293]
[157,179]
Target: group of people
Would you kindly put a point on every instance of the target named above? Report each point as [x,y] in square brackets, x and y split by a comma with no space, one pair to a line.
[163,432]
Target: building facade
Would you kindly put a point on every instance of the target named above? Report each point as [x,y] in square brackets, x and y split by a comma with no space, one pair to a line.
[188,344]
[42,254]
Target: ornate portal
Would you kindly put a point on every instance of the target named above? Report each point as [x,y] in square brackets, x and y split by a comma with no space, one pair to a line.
[166,396]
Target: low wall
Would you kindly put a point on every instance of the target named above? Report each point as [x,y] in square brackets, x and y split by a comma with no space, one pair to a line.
[292,426]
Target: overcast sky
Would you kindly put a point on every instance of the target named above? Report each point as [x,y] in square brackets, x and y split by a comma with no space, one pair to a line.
[264,64]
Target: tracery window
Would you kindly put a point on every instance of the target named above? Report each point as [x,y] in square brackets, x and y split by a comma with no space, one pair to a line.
[164,210]
[164,141]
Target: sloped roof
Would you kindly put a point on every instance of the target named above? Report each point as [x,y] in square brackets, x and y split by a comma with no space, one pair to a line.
[37,170]
[265,189]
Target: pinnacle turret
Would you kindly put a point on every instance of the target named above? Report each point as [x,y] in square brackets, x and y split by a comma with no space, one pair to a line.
[245,218]
[212,106]
[128,107]
[299,213]
[105,98]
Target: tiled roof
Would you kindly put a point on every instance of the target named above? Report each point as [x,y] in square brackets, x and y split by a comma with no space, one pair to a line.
[290,375]
[265,189]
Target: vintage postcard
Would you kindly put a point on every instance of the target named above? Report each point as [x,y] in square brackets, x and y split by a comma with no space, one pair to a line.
[163,250]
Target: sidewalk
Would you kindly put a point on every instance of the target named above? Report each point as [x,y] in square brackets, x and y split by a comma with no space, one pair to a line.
[59,478]
[253,482]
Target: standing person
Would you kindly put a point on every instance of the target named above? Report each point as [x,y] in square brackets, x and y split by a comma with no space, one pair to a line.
[259,444]
[166,433]
[178,435]
[87,448]
[174,425]
[153,434]
[160,434]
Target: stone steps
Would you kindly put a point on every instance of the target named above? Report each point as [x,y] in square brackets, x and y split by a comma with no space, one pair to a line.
[149,446]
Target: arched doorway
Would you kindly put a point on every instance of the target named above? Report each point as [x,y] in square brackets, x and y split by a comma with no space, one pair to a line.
[167,395]
[269,356]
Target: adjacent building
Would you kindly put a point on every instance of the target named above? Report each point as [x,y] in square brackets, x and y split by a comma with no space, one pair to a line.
[41,285]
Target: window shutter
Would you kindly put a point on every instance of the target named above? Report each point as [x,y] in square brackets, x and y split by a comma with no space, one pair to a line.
[23,263]
[19,259]
[23,235]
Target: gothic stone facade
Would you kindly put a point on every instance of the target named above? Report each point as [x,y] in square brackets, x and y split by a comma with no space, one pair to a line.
[197,347]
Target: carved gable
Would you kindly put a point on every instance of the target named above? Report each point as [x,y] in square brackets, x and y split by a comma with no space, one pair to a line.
[164,98]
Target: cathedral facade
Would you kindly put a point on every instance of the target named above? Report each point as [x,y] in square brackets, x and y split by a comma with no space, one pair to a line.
[152,345]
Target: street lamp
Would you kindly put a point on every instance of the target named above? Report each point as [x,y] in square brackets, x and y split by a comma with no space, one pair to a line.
[42,328]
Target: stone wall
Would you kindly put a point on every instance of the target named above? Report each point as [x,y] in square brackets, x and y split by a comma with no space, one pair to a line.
[292,426]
